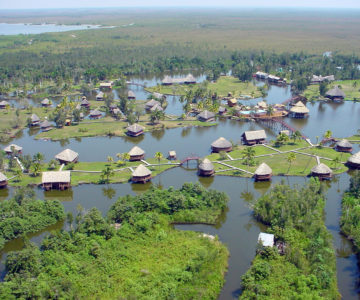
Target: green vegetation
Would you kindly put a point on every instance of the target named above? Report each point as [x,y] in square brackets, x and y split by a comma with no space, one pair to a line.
[350,218]
[351,88]
[306,269]
[24,214]
[221,88]
[142,258]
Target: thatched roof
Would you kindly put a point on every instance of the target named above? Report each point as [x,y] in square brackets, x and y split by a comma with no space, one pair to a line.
[100,95]
[335,92]
[255,135]
[106,84]
[262,104]
[34,118]
[45,101]
[221,143]
[222,109]
[135,128]
[135,151]
[206,115]
[167,80]
[206,165]
[56,176]
[355,159]
[172,153]
[263,169]
[151,103]
[299,107]
[85,102]
[2,177]
[131,94]
[4,103]
[117,111]
[78,106]
[45,124]
[190,78]
[156,107]
[95,112]
[67,155]
[344,144]
[233,101]
[157,95]
[141,171]
[321,169]
[16,147]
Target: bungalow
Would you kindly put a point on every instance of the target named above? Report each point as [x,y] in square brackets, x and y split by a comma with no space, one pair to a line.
[221,144]
[206,116]
[158,95]
[172,154]
[206,168]
[343,146]
[156,107]
[34,120]
[106,86]
[321,171]
[9,149]
[222,110]
[261,75]
[4,104]
[141,174]
[100,96]
[117,113]
[232,102]
[354,161]
[151,103]
[335,94]
[59,180]
[318,79]
[135,130]
[131,95]
[46,102]
[262,105]
[95,114]
[45,126]
[190,79]
[67,156]
[254,137]
[299,110]
[136,154]
[263,173]
[85,103]
[3,181]
[167,80]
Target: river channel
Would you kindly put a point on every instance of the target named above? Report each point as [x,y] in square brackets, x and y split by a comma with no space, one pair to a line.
[236,227]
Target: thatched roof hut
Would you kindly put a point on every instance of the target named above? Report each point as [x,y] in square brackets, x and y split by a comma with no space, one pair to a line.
[206,116]
[335,94]
[206,168]
[67,156]
[136,153]
[3,104]
[3,181]
[46,102]
[172,154]
[299,110]
[156,107]
[232,102]
[190,79]
[354,161]
[85,103]
[131,95]
[35,120]
[59,180]
[46,125]
[158,95]
[100,96]
[321,171]
[9,148]
[151,103]
[222,110]
[106,85]
[141,174]
[254,137]
[221,144]
[167,80]
[135,130]
[343,146]
[95,114]
[262,104]
[263,172]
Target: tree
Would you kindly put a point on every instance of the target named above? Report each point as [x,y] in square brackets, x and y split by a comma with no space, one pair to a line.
[336,161]
[281,139]
[18,174]
[291,158]
[106,174]
[328,134]
[158,156]
[110,159]
[296,135]
[323,88]
[38,157]
[36,167]
[76,115]
[270,110]
[126,156]
[248,155]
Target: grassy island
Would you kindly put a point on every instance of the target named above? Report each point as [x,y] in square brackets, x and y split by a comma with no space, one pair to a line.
[305,269]
[133,253]
[24,214]
[221,87]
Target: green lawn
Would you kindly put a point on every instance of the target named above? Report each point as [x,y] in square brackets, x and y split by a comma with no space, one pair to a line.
[291,145]
[327,152]
[222,87]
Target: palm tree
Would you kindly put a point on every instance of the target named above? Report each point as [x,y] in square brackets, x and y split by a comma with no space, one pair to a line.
[18,174]
[158,156]
[107,173]
[291,158]
[126,156]
[296,135]
[270,110]
[39,157]
[110,159]
[248,154]
[282,138]
[328,134]
[36,169]
[336,161]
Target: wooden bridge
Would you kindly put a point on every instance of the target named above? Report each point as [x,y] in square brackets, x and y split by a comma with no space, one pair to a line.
[189,158]
[286,102]
[279,124]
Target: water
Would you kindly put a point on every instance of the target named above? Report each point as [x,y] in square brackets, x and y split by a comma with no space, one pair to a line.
[236,228]
[14,29]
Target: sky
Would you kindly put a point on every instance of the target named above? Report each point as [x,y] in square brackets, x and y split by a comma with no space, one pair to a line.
[34,4]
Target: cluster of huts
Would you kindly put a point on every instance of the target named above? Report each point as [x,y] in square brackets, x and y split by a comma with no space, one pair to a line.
[189,79]
[270,78]
[318,79]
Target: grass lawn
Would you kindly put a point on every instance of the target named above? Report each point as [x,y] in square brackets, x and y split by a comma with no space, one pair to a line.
[353,138]
[222,87]
[327,152]
[351,89]
[291,145]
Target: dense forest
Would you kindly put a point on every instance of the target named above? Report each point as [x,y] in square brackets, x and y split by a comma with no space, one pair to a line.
[135,259]
[305,266]
[24,214]
[350,219]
